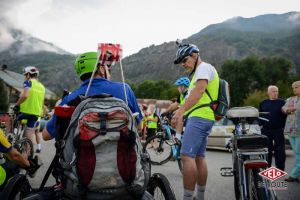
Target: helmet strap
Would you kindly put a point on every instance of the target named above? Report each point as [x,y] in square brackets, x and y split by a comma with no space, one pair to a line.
[196,63]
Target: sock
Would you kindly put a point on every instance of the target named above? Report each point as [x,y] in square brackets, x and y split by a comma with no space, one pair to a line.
[200,192]
[178,136]
[39,146]
[188,194]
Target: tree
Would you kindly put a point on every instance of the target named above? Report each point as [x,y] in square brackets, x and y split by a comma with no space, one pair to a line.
[250,74]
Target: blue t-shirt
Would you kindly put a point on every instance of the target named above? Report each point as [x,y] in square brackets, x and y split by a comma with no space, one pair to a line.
[27,84]
[100,86]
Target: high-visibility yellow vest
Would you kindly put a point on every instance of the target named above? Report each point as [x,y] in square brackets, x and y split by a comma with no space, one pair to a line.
[34,102]
[205,112]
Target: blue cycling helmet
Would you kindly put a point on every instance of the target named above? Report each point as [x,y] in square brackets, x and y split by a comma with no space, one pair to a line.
[184,51]
[183,81]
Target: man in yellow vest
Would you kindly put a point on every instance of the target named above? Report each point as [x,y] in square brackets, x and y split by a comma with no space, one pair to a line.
[31,102]
[200,121]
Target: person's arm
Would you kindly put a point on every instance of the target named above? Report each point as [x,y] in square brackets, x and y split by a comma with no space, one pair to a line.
[286,108]
[23,96]
[174,106]
[193,98]
[18,158]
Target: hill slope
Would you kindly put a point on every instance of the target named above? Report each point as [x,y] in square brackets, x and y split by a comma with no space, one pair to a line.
[236,38]
[265,35]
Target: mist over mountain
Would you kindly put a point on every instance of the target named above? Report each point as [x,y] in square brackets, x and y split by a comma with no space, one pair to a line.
[19,49]
[264,36]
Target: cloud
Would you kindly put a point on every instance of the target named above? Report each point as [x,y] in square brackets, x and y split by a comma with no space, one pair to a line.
[295,17]
[6,39]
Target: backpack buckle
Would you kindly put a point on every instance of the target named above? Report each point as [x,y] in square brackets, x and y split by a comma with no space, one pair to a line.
[103,119]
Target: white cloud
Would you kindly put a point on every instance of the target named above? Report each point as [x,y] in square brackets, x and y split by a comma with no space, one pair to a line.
[295,18]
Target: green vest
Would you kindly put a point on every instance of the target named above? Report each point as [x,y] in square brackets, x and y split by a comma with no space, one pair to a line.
[34,102]
[152,124]
[182,99]
[205,112]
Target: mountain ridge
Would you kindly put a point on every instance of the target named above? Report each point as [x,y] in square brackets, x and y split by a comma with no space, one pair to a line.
[235,38]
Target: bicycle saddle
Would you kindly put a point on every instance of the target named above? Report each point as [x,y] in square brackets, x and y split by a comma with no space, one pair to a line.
[242,112]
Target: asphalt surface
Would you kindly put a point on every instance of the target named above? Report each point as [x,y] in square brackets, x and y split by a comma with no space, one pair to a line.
[218,187]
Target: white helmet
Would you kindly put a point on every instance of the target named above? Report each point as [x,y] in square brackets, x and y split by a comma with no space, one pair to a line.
[31,70]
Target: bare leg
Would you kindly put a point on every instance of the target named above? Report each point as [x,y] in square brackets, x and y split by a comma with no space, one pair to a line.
[202,170]
[189,172]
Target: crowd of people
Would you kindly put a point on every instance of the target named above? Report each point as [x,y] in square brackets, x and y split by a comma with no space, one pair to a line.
[283,116]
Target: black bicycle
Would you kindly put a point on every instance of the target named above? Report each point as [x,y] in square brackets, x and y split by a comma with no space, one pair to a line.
[249,157]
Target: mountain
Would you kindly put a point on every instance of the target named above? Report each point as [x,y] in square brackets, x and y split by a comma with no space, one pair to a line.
[19,49]
[236,38]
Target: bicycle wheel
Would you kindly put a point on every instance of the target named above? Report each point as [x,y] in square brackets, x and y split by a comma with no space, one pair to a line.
[257,188]
[237,191]
[160,154]
[19,130]
[24,146]
[17,188]
[180,165]
[159,187]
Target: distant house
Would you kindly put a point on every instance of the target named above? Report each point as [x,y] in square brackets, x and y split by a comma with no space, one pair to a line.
[14,85]
[161,105]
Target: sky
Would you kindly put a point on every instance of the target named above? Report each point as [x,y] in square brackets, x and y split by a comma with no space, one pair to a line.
[79,25]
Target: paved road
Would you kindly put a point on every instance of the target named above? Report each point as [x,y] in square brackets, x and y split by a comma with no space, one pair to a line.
[217,187]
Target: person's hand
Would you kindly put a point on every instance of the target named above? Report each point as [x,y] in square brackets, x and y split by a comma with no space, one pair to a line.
[34,166]
[291,109]
[16,108]
[178,116]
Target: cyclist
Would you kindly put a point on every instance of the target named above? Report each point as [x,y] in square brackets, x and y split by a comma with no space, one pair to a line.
[31,102]
[182,84]
[152,120]
[144,121]
[200,121]
[8,169]
[84,66]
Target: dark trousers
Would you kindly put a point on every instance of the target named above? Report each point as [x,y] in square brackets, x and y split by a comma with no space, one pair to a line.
[276,144]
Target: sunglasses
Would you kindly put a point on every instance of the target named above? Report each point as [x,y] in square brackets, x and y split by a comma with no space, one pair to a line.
[184,60]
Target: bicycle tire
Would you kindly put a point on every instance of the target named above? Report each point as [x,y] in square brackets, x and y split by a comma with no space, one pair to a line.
[257,190]
[161,154]
[159,187]
[24,145]
[20,190]
[180,165]
[236,181]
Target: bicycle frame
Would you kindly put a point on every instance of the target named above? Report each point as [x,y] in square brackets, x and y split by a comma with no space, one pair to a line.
[249,157]
[175,148]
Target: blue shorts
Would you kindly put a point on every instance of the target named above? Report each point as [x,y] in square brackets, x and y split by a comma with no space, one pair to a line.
[195,136]
[32,120]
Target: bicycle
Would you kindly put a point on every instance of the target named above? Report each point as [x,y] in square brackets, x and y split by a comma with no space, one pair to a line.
[249,157]
[14,132]
[165,151]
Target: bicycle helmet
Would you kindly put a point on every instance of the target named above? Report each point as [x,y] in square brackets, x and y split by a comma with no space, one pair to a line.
[31,70]
[85,63]
[184,51]
[183,81]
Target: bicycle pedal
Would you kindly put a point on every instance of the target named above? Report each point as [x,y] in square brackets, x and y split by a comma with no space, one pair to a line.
[226,171]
